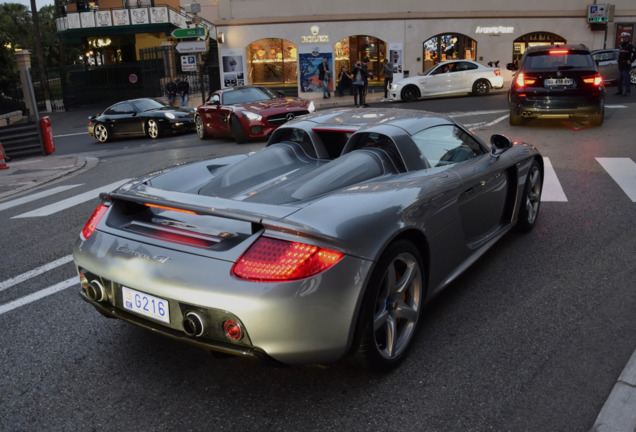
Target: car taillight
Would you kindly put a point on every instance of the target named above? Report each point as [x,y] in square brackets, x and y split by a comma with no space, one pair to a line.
[558,52]
[92,222]
[271,259]
[522,81]
[497,72]
[595,80]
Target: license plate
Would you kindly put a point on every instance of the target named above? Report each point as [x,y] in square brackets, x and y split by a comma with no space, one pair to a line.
[146,304]
[551,82]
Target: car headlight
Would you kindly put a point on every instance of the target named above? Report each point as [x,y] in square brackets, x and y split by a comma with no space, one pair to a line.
[311,107]
[169,115]
[395,86]
[252,116]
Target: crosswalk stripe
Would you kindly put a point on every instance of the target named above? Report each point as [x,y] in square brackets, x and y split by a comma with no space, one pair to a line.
[35,272]
[623,171]
[552,190]
[70,202]
[38,295]
[35,196]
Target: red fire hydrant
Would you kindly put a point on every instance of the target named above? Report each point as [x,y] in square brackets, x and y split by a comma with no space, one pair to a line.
[47,135]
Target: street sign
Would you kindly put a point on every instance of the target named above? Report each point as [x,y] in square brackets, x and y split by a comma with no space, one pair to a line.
[598,13]
[191,47]
[189,32]
[188,63]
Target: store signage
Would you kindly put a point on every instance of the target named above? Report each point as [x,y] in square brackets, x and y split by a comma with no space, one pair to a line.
[315,37]
[496,30]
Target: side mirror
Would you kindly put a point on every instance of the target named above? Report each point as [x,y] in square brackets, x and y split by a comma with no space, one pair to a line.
[499,144]
[511,66]
[280,94]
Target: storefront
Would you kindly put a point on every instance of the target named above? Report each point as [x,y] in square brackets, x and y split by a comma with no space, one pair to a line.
[288,54]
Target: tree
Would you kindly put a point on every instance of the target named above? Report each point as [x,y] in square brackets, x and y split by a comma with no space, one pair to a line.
[38,49]
[15,32]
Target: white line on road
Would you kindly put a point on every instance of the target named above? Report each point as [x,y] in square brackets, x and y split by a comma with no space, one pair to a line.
[552,190]
[70,202]
[73,134]
[38,295]
[623,171]
[35,272]
[35,196]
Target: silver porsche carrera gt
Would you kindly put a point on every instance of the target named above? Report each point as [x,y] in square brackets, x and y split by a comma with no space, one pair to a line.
[325,244]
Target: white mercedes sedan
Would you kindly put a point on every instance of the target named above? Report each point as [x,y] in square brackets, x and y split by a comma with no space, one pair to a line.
[451,77]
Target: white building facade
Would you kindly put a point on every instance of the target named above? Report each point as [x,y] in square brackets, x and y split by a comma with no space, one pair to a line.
[279,43]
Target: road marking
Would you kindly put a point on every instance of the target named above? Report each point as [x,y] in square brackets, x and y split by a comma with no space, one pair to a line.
[38,295]
[36,196]
[623,171]
[35,272]
[552,190]
[68,135]
[70,202]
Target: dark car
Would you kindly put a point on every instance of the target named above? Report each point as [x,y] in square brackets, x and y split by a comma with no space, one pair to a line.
[607,63]
[326,243]
[556,81]
[140,117]
[247,112]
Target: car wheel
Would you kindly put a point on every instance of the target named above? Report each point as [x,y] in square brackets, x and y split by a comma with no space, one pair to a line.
[481,88]
[152,129]
[198,121]
[515,120]
[597,119]
[410,93]
[632,75]
[531,200]
[391,309]
[237,130]
[101,133]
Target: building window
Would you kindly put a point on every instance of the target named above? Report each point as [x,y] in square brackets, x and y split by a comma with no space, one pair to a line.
[533,39]
[449,46]
[354,48]
[272,62]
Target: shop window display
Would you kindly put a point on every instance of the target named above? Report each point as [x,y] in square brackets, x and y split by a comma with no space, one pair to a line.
[354,48]
[449,46]
[272,62]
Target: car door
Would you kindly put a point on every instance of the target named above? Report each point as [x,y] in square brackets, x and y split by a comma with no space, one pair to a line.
[121,119]
[436,82]
[213,116]
[481,201]
[607,63]
[462,80]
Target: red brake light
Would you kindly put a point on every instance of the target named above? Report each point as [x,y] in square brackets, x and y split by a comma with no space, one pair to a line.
[595,80]
[497,72]
[169,208]
[559,52]
[522,81]
[270,259]
[92,222]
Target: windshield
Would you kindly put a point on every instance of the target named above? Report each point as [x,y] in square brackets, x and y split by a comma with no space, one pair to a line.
[246,95]
[142,105]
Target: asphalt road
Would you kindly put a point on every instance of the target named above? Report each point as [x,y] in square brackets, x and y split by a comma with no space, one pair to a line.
[531,338]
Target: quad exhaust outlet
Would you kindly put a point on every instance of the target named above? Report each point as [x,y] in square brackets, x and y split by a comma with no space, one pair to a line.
[95,291]
[193,324]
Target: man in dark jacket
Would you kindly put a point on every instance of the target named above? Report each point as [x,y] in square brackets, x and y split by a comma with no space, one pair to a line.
[324,74]
[183,88]
[171,91]
[625,58]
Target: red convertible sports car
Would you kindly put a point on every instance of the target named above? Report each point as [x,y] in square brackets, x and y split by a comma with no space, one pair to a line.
[247,112]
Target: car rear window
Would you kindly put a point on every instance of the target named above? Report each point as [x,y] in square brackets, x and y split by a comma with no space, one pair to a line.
[558,59]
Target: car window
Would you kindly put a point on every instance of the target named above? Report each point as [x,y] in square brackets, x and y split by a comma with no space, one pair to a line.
[464,66]
[142,105]
[542,61]
[121,108]
[215,98]
[246,95]
[446,145]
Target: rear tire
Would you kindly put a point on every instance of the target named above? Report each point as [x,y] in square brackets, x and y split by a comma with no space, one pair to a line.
[101,133]
[391,309]
[152,129]
[531,199]
[237,130]
[198,121]
[632,75]
[410,93]
[515,120]
[481,87]
[598,119]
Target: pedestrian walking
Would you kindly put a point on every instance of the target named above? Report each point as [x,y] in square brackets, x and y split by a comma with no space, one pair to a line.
[171,91]
[367,74]
[625,58]
[324,75]
[183,88]
[387,69]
